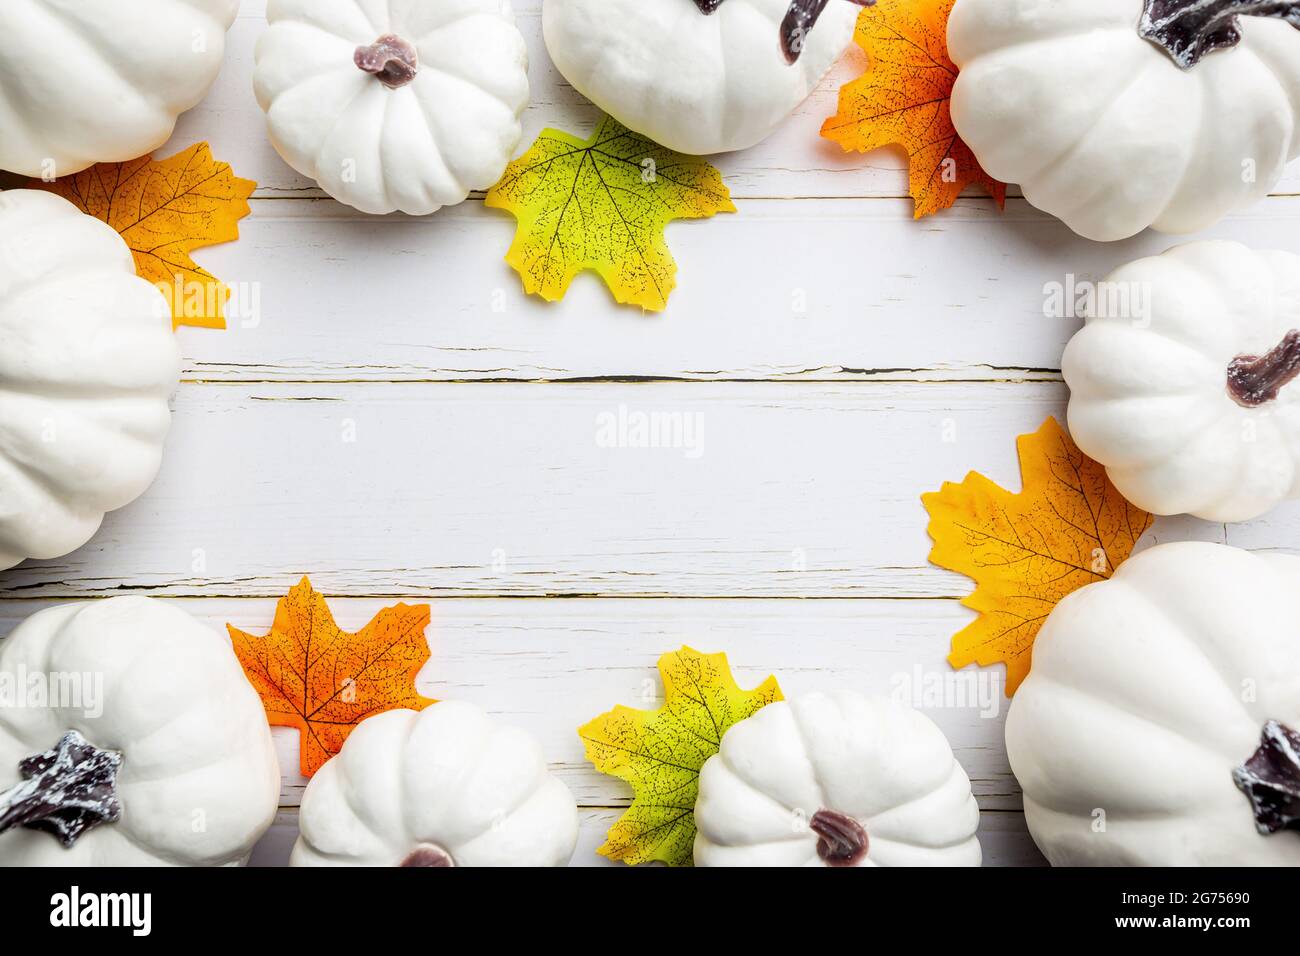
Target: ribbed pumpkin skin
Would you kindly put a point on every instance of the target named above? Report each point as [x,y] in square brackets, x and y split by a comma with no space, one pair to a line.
[1149,392]
[90,82]
[450,130]
[199,782]
[1103,130]
[694,83]
[88,365]
[447,777]
[882,764]
[1146,692]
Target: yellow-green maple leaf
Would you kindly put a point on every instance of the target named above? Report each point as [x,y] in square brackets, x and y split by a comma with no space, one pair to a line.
[660,753]
[603,204]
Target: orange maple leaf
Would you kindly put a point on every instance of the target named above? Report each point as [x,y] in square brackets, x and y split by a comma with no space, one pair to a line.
[165,209]
[313,676]
[1068,527]
[903,100]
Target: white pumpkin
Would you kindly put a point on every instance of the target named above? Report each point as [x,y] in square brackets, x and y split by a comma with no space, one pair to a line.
[84,83]
[394,106]
[835,780]
[1138,727]
[693,81]
[1179,381]
[173,765]
[445,786]
[1102,128]
[86,369]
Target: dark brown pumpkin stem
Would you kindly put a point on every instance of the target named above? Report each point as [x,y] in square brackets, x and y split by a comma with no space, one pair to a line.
[798,23]
[1271,779]
[1255,380]
[65,791]
[428,854]
[1189,30]
[390,60]
[843,840]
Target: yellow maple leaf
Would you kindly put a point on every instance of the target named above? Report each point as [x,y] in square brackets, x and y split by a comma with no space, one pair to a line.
[660,753]
[1068,527]
[603,204]
[165,209]
[903,100]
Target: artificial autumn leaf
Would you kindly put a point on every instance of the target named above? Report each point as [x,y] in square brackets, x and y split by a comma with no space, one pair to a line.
[1068,527]
[903,100]
[660,753]
[313,676]
[165,209]
[603,204]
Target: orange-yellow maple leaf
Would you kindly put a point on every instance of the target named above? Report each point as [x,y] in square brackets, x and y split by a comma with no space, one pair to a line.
[324,681]
[165,209]
[903,100]
[1068,527]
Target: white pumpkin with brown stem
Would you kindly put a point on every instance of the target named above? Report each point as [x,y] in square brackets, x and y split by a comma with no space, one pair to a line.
[1160,722]
[1181,381]
[129,737]
[1118,115]
[443,787]
[698,76]
[403,106]
[835,780]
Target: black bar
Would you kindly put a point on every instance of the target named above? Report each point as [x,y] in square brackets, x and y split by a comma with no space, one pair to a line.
[605,908]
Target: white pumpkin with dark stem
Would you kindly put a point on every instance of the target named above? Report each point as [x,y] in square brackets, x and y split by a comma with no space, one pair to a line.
[129,737]
[698,76]
[1159,722]
[84,83]
[88,362]
[404,106]
[1180,383]
[1116,115]
[835,780]
[442,787]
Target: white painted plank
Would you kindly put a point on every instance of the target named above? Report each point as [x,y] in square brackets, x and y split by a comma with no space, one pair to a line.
[551,665]
[826,290]
[775,490]
[487,491]
[795,161]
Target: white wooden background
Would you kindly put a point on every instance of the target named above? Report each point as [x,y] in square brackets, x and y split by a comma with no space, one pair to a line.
[827,341]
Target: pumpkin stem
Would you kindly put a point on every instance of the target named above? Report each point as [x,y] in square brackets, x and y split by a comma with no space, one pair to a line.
[798,23]
[390,60]
[65,791]
[843,840]
[428,854]
[1189,30]
[1271,779]
[1255,380]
